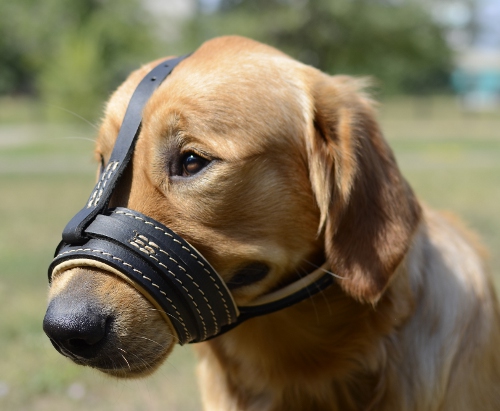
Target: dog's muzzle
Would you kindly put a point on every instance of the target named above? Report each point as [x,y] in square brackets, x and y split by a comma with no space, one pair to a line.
[163,266]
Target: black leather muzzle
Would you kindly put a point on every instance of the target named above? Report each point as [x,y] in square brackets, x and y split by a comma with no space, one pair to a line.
[164,267]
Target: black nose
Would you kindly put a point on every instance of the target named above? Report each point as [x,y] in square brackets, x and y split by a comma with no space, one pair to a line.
[76,329]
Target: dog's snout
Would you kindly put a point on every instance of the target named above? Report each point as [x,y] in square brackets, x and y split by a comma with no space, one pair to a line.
[76,329]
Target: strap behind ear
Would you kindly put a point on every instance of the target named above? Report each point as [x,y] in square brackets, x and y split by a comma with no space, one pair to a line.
[369,212]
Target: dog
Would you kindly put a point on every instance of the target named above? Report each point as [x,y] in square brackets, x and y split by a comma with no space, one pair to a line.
[271,168]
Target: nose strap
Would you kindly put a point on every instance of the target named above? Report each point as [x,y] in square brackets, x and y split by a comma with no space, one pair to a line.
[184,284]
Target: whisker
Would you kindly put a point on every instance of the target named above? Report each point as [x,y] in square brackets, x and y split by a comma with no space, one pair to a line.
[325,270]
[153,341]
[80,138]
[322,292]
[137,335]
[130,368]
[168,314]
[161,345]
[92,140]
[94,126]
[144,362]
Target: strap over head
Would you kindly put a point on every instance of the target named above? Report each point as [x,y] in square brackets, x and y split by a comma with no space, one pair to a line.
[163,266]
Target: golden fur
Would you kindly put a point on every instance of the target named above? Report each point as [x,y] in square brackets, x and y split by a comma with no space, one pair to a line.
[300,173]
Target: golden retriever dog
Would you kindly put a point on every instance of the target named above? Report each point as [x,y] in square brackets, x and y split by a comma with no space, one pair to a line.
[270,168]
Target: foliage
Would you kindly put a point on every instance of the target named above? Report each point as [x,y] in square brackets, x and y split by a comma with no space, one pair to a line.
[71,54]
[396,42]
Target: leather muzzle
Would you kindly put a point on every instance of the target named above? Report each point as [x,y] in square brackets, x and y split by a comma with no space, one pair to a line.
[163,266]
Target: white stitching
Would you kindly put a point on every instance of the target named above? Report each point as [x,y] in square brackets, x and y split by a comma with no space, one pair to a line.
[224,302]
[145,251]
[106,175]
[188,335]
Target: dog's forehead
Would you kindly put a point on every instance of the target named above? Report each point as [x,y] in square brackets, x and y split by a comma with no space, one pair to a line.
[223,89]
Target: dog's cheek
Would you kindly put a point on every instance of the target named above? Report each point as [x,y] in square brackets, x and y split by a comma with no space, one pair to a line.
[143,338]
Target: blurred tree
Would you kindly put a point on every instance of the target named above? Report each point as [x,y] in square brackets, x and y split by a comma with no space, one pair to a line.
[71,54]
[396,42]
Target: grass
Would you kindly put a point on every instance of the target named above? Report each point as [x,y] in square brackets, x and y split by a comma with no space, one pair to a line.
[452,161]
[20,110]
[46,172]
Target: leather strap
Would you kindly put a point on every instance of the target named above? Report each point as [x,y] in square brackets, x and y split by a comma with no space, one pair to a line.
[169,269]
[161,264]
[185,285]
[73,233]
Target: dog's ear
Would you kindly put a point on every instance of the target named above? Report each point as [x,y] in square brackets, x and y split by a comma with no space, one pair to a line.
[368,211]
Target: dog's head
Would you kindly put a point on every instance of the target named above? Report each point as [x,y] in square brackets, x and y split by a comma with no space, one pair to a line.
[268,167]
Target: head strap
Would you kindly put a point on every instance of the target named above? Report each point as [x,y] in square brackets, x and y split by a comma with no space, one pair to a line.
[122,151]
[168,270]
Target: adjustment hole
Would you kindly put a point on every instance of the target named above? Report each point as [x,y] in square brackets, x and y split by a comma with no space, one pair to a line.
[153,78]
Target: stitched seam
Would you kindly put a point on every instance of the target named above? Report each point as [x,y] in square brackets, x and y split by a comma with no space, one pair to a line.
[215,283]
[149,251]
[180,319]
[224,302]
[101,185]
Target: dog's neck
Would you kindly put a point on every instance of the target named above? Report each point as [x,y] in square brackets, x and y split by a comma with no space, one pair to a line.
[309,343]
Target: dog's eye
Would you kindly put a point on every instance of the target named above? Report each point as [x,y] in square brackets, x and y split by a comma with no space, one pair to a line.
[192,164]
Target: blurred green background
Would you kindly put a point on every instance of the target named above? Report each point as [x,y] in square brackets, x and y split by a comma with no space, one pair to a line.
[436,71]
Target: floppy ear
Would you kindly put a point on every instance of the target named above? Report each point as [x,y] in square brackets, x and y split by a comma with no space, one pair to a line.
[368,211]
